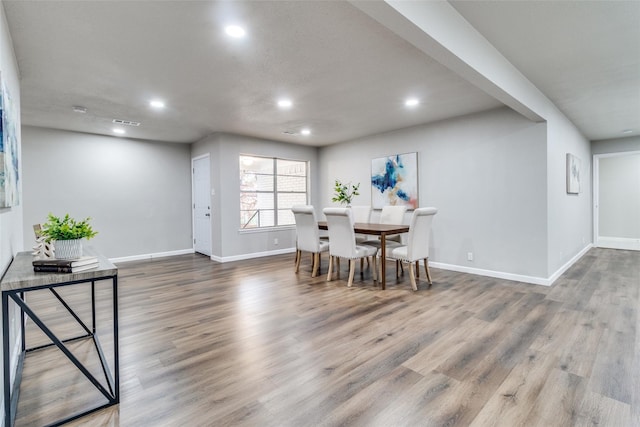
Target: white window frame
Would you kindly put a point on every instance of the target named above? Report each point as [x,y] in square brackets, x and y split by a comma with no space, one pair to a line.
[243,227]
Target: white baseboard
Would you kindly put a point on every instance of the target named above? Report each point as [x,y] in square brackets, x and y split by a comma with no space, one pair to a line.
[515,277]
[568,264]
[491,273]
[619,243]
[252,255]
[153,255]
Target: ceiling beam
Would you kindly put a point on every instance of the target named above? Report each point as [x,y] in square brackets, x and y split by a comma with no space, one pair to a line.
[438,30]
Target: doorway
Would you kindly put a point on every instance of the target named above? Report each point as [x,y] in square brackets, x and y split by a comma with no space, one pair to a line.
[616,213]
[201,195]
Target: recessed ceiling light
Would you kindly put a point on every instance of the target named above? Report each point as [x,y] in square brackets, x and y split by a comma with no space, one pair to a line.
[156,103]
[118,131]
[235,31]
[412,102]
[627,131]
[305,131]
[285,103]
[79,109]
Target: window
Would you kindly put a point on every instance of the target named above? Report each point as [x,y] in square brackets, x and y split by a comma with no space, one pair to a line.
[269,187]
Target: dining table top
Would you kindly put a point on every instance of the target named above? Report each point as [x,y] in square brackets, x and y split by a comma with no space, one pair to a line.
[373,228]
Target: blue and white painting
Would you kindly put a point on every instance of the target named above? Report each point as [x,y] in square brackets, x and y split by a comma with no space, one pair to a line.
[9,173]
[394,181]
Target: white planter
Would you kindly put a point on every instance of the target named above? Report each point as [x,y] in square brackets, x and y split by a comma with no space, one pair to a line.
[68,249]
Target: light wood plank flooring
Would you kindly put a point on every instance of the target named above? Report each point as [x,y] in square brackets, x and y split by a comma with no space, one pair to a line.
[253,344]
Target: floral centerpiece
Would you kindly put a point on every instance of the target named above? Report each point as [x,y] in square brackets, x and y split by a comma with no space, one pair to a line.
[344,193]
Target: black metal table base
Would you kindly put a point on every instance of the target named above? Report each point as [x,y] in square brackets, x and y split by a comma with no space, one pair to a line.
[109,386]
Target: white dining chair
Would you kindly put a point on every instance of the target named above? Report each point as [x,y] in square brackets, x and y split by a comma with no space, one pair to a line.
[342,241]
[308,236]
[361,213]
[417,247]
[389,215]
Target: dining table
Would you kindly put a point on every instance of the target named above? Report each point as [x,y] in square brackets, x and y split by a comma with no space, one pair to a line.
[376,229]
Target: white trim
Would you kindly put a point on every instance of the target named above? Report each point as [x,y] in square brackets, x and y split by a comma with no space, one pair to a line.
[193,198]
[515,277]
[266,229]
[252,255]
[619,243]
[152,256]
[568,264]
[606,241]
[491,273]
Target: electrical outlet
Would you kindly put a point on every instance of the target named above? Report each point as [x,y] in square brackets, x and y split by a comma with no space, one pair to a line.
[275,241]
[469,256]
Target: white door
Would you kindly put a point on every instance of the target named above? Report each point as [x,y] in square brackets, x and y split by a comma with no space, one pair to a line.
[201,191]
[617,200]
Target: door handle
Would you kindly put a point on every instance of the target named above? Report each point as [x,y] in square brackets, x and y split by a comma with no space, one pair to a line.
[207,214]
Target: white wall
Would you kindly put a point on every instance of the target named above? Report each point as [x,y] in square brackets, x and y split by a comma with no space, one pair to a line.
[486,173]
[570,220]
[10,218]
[228,242]
[136,192]
[617,145]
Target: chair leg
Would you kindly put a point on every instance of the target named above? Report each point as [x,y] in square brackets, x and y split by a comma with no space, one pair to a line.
[330,268]
[375,268]
[316,262]
[362,263]
[413,278]
[417,268]
[298,256]
[352,270]
[426,270]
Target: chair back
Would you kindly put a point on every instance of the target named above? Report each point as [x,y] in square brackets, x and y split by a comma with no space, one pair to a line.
[361,213]
[342,238]
[392,214]
[307,232]
[419,232]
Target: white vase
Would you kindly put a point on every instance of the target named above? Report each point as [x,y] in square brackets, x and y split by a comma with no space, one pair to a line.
[68,249]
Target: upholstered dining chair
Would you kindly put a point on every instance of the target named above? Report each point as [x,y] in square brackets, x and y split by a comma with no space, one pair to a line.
[389,215]
[361,213]
[342,241]
[308,236]
[417,247]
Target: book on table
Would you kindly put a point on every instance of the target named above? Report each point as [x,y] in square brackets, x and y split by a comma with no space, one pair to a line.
[68,263]
[64,269]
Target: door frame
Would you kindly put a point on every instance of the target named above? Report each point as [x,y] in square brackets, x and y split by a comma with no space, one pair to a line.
[596,192]
[193,197]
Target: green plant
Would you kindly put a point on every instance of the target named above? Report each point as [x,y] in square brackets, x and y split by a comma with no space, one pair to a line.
[344,193]
[66,228]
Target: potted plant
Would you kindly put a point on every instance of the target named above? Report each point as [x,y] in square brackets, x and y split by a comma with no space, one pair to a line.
[66,235]
[344,193]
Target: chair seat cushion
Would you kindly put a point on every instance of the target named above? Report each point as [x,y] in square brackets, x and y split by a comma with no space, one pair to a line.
[400,253]
[363,251]
[376,243]
[324,245]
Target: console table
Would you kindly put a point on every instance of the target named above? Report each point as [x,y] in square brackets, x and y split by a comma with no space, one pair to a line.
[18,281]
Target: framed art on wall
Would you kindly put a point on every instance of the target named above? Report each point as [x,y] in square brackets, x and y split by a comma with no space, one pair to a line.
[573,174]
[394,181]
[9,173]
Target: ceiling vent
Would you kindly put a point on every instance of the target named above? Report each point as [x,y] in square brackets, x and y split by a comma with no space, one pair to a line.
[125,122]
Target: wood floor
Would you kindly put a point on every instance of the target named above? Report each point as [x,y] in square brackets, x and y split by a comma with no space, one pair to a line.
[253,344]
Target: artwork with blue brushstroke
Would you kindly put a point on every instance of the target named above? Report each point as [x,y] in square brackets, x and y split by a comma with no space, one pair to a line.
[394,181]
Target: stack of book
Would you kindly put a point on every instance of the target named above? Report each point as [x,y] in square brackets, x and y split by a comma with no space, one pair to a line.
[53,265]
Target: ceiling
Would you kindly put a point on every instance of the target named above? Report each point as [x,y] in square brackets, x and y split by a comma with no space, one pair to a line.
[347,75]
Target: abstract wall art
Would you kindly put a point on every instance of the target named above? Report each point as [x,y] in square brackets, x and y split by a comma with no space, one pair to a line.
[9,172]
[573,174]
[394,181]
